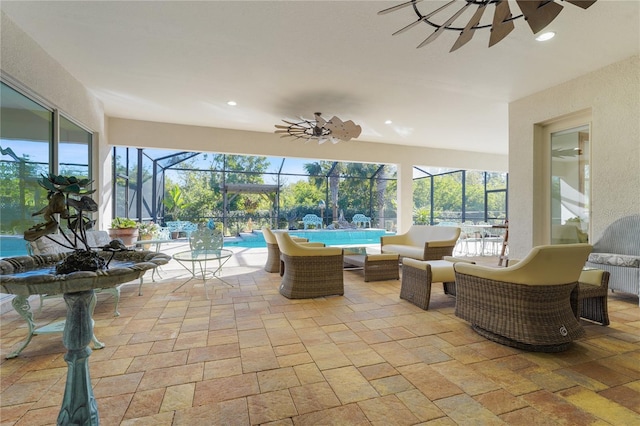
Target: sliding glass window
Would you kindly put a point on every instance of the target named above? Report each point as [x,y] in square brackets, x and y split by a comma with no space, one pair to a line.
[29,147]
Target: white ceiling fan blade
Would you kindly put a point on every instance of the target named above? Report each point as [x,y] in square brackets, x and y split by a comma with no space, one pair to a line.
[398,6]
[444,26]
[500,28]
[539,14]
[585,4]
[468,32]
[427,16]
[408,27]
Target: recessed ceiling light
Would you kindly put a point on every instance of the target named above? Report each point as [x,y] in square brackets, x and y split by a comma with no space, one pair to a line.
[388,122]
[232,103]
[546,36]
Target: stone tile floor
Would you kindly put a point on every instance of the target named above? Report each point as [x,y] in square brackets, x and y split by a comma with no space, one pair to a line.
[251,356]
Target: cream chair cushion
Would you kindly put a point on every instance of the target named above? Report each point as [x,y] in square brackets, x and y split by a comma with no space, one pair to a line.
[544,265]
[291,248]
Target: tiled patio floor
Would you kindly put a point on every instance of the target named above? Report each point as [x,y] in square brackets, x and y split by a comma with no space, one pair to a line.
[251,356]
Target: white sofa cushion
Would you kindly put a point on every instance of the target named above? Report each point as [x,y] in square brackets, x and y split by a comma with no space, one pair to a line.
[45,245]
[615,259]
[405,250]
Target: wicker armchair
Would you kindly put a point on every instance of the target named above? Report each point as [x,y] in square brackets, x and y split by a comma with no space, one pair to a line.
[309,272]
[273,252]
[531,305]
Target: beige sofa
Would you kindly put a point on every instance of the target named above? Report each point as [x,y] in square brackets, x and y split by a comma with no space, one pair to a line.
[422,242]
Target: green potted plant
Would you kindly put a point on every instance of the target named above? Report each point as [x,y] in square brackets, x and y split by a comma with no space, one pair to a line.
[148,231]
[124,229]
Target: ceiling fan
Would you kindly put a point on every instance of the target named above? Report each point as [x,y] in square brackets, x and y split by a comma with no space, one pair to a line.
[334,130]
[537,13]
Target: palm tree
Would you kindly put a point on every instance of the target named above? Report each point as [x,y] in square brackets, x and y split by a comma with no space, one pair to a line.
[319,171]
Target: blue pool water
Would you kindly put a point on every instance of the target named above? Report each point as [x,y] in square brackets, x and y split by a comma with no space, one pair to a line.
[331,237]
[12,245]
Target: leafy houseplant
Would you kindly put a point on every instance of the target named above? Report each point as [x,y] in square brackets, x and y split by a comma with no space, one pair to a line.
[148,230]
[123,223]
[175,203]
[124,229]
[69,197]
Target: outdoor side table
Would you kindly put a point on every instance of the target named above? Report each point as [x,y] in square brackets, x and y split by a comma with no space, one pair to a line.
[203,264]
[376,267]
[158,244]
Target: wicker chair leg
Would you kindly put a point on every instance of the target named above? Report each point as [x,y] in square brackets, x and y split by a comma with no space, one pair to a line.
[449,288]
[273,258]
[416,286]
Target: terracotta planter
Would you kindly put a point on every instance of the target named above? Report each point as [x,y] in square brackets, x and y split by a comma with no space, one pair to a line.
[129,236]
[146,237]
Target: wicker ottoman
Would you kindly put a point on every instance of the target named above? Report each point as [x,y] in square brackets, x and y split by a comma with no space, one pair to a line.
[417,276]
[377,267]
[592,295]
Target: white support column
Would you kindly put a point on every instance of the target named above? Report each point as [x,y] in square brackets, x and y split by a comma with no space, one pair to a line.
[405,197]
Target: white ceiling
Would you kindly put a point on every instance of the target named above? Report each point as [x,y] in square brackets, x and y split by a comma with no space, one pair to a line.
[181,61]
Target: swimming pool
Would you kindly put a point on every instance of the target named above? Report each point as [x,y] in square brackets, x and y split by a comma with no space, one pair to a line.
[331,237]
[14,245]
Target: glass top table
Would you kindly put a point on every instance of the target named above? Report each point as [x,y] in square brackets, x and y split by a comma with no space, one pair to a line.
[203,264]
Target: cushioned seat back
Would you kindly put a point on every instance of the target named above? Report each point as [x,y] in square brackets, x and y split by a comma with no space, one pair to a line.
[268,236]
[544,265]
[419,234]
[621,237]
[552,264]
[45,245]
[206,239]
[98,238]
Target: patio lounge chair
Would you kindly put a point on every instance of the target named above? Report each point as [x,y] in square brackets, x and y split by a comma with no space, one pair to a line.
[309,272]
[531,305]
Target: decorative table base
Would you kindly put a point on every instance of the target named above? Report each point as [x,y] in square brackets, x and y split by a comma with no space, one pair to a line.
[24,276]
[22,306]
[78,405]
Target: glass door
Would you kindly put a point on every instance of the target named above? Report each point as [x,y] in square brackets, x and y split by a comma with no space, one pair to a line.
[570,185]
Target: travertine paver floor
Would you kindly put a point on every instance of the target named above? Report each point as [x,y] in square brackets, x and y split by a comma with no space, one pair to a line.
[251,356]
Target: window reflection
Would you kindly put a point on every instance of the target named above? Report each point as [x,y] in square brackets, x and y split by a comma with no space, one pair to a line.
[27,146]
[570,185]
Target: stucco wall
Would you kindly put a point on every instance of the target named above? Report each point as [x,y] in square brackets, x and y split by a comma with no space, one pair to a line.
[612,95]
[26,63]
